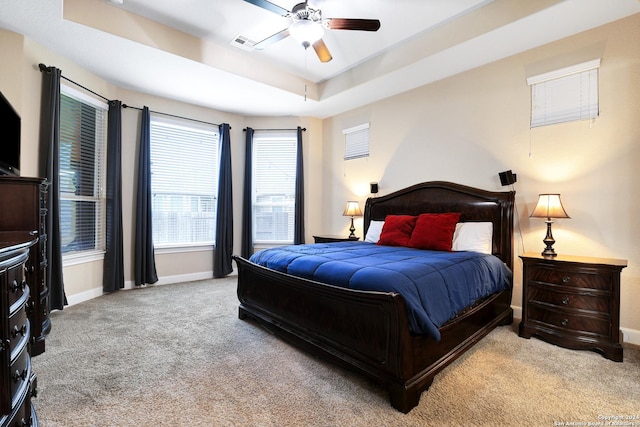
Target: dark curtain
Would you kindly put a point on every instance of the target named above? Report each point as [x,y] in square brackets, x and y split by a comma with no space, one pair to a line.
[113,275]
[224,216]
[298,232]
[247,202]
[144,258]
[49,168]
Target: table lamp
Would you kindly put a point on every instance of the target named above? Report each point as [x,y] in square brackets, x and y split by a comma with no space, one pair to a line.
[549,206]
[352,209]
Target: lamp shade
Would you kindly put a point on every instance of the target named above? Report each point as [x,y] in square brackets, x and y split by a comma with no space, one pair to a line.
[352,209]
[549,206]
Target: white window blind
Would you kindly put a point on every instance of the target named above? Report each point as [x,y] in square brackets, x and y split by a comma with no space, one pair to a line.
[565,95]
[83,139]
[356,142]
[184,181]
[274,186]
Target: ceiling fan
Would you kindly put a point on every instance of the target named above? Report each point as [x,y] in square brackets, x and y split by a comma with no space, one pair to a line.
[308,26]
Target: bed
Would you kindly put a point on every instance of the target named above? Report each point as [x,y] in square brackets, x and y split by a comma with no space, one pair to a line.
[368,330]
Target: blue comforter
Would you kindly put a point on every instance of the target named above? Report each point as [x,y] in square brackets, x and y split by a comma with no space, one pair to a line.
[435,285]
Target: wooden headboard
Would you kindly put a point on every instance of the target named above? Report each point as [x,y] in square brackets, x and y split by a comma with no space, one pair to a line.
[474,205]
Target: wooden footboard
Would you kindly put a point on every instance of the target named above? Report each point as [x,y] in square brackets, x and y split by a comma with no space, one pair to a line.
[364,330]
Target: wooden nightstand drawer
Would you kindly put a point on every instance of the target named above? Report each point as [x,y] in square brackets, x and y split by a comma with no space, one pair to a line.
[568,300]
[570,323]
[572,278]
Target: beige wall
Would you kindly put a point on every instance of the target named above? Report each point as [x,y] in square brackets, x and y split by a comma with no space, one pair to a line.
[469,127]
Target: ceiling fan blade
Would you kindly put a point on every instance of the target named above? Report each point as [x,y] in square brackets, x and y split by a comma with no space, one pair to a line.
[269,6]
[272,39]
[322,51]
[352,24]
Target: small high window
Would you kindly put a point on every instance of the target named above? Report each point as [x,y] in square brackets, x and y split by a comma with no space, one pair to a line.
[356,142]
[565,95]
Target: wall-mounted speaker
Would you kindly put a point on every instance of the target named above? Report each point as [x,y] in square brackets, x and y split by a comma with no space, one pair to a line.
[374,187]
[507,177]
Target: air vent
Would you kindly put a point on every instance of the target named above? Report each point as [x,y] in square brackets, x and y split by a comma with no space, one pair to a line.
[242,42]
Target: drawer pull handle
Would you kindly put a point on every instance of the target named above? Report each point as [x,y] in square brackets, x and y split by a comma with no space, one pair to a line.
[565,300]
[565,322]
[21,331]
[20,375]
[566,279]
[15,287]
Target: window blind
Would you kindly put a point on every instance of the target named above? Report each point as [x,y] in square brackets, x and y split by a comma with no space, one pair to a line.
[83,139]
[356,142]
[274,181]
[184,181]
[565,95]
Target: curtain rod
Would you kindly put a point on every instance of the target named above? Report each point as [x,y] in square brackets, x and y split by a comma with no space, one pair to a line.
[276,130]
[172,115]
[44,68]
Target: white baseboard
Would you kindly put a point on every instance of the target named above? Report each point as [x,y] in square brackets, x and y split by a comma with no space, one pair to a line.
[166,280]
[629,336]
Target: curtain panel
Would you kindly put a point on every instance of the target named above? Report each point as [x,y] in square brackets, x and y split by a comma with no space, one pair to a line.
[144,256]
[222,265]
[298,232]
[49,168]
[113,272]
[247,200]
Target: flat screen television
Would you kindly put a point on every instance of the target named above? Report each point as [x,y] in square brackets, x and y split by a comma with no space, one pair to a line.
[9,139]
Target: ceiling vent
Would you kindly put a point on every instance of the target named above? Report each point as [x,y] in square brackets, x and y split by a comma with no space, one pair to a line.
[242,42]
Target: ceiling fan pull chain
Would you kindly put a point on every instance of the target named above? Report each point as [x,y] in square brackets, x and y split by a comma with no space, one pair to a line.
[306,56]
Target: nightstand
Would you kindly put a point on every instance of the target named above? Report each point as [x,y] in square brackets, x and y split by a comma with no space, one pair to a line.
[573,302]
[333,239]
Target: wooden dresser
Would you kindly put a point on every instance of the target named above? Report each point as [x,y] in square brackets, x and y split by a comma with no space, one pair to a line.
[17,380]
[23,207]
[573,302]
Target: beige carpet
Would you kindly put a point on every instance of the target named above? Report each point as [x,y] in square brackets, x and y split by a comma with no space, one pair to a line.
[177,355]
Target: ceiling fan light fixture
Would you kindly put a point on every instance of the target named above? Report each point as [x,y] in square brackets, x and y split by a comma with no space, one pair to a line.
[306,32]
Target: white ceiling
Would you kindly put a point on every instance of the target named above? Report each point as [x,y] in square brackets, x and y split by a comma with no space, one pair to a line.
[185,54]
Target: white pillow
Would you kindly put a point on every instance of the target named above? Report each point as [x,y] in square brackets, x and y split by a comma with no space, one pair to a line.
[473,236]
[373,233]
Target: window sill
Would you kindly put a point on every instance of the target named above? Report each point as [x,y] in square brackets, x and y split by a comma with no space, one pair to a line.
[182,249]
[81,258]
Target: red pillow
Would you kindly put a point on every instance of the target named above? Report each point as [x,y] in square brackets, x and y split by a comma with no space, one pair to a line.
[434,231]
[397,230]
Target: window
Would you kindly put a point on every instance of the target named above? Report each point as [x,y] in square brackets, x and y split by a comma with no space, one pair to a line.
[184,181]
[274,186]
[83,140]
[565,95]
[356,142]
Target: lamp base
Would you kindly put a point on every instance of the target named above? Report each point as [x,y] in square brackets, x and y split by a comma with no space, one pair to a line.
[549,241]
[549,252]
[352,229]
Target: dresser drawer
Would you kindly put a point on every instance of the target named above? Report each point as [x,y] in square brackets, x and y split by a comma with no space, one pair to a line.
[570,323]
[19,331]
[569,300]
[21,414]
[20,375]
[17,285]
[572,278]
